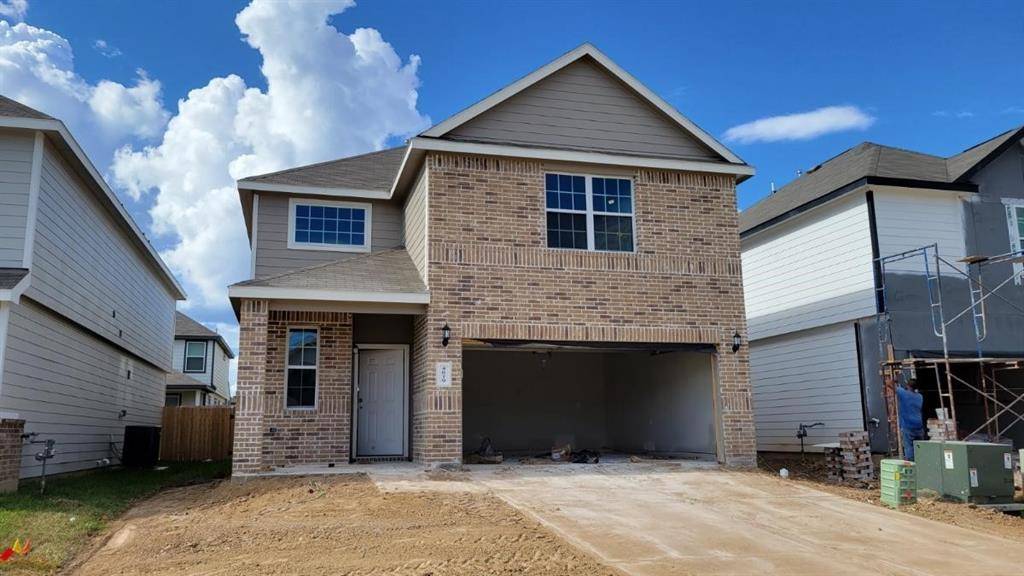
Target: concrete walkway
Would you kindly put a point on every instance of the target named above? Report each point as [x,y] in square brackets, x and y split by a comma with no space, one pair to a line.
[667,519]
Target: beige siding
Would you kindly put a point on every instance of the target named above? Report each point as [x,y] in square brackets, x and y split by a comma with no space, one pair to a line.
[581,107]
[220,371]
[15,173]
[86,268]
[273,255]
[70,386]
[416,225]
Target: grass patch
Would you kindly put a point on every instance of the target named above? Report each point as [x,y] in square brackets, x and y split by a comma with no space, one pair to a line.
[76,507]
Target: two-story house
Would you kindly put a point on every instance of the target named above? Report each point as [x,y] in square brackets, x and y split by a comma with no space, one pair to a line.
[556,264]
[86,305]
[201,361]
[812,268]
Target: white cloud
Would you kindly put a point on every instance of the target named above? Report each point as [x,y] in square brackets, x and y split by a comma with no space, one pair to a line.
[801,126]
[37,69]
[947,114]
[329,95]
[13,9]
[107,49]
[230,334]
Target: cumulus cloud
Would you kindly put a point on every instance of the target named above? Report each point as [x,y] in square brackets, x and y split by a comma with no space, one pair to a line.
[801,126]
[13,9]
[105,48]
[329,94]
[37,69]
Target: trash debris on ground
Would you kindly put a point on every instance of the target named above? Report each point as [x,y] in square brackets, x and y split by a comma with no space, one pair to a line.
[16,549]
[485,454]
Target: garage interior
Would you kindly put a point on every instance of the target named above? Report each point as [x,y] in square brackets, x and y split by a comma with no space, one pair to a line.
[529,398]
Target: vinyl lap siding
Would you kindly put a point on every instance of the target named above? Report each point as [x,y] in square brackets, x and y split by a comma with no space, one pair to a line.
[581,107]
[909,219]
[220,372]
[806,377]
[811,271]
[416,225]
[85,268]
[15,174]
[69,385]
[273,255]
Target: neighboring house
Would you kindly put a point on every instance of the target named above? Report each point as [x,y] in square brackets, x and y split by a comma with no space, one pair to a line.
[810,280]
[86,304]
[201,362]
[556,264]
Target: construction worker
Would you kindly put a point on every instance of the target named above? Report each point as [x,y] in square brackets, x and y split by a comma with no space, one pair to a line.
[910,403]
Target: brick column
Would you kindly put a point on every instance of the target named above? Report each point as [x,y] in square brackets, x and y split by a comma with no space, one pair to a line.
[735,404]
[10,453]
[436,412]
[251,379]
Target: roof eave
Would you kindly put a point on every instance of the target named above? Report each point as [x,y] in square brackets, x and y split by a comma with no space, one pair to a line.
[999,150]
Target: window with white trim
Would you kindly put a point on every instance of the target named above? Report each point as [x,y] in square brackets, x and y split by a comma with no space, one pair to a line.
[1015,221]
[195,356]
[300,385]
[589,212]
[322,225]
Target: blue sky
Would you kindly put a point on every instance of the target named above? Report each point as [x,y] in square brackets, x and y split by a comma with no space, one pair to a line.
[930,76]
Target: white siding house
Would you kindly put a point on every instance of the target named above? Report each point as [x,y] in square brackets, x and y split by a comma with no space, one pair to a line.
[200,360]
[86,330]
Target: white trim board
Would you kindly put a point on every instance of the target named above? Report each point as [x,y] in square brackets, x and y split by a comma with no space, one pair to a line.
[5,316]
[422,143]
[252,240]
[275,293]
[33,199]
[314,190]
[14,294]
[58,127]
[543,72]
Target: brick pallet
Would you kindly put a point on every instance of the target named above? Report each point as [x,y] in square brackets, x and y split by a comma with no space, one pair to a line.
[940,429]
[855,448]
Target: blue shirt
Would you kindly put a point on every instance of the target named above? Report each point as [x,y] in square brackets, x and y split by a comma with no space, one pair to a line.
[910,403]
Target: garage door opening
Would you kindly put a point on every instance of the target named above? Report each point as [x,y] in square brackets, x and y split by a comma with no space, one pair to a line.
[528,400]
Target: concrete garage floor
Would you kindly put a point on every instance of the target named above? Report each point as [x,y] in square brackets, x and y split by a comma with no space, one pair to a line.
[671,518]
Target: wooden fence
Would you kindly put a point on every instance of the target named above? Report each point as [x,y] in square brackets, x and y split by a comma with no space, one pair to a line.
[197,433]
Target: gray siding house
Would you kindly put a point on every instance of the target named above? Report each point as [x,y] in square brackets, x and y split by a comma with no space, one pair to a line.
[812,277]
[86,304]
[201,361]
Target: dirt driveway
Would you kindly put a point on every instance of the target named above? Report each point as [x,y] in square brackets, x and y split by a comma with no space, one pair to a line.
[643,519]
[663,519]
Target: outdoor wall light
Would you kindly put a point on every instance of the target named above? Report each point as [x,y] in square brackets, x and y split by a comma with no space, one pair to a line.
[736,341]
[446,334]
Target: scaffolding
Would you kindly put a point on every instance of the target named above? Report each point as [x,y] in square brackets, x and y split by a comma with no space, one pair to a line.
[997,399]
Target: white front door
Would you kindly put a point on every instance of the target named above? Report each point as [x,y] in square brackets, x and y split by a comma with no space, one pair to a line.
[380,398]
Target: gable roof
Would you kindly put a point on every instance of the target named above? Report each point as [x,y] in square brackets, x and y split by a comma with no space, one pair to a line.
[374,171]
[583,51]
[870,163]
[18,116]
[187,328]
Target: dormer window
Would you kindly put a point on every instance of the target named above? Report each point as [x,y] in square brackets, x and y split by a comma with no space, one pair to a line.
[325,225]
[589,212]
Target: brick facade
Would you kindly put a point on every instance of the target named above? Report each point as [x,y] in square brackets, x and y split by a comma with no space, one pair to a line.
[268,434]
[10,453]
[491,276]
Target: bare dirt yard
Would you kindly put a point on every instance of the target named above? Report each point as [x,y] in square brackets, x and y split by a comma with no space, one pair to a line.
[328,525]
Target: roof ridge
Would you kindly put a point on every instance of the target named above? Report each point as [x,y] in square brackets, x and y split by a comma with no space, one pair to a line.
[321,163]
[987,140]
[322,265]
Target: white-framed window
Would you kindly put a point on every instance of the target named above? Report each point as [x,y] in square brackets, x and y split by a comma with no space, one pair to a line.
[589,212]
[329,225]
[195,356]
[300,374]
[1015,222]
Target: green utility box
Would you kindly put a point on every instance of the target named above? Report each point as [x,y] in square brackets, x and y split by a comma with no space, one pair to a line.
[898,483]
[976,472]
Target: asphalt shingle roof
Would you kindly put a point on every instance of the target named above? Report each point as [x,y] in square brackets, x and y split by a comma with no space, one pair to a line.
[9,277]
[14,109]
[185,327]
[383,271]
[373,171]
[869,160]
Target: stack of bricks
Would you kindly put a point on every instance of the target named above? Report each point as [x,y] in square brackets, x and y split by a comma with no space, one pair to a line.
[941,429]
[10,453]
[856,454]
[834,464]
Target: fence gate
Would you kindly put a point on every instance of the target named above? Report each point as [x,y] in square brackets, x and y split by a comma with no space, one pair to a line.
[197,433]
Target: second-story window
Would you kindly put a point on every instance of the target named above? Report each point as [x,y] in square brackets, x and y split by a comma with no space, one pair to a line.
[589,212]
[322,225]
[195,356]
